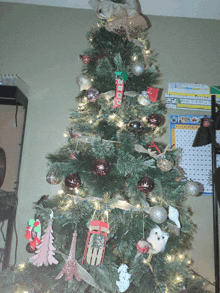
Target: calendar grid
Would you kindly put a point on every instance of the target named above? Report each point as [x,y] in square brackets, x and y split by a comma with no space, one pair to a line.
[196,161]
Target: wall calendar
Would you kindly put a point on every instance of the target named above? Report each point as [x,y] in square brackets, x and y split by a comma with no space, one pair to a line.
[196,161]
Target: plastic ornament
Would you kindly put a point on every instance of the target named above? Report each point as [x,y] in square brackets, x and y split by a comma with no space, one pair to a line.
[85,58]
[72,181]
[192,188]
[84,82]
[146,184]
[142,246]
[143,99]
[156,120]
[101,167]
[137,68]
[164,164]
[136,125]
[52,179]
[92,94]
[158,214]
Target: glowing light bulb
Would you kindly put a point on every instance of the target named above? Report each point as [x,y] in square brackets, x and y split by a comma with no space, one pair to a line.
[60,191]
[153,199]
[106,213]
[144,260]
[178,279]
[144,118]
[64,134]
[181,256]
[96,204]
[120,123]
[112,116]
[169,258]
[147,51]
[21,266]
[91,39]
[193,276]
[138,206]
[76,190]
[90,121]
[134,57]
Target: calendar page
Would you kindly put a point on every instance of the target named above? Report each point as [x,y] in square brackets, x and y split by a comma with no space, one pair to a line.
[196,161]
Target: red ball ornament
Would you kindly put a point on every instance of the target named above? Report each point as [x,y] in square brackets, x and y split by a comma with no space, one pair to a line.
[85,58]
[101,167]
[206,123]
[156,120]
[72,181]
[29,248]
[142,246]
[146,184]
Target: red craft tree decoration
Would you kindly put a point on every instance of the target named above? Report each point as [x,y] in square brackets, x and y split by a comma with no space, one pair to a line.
[45,250]
[70,268]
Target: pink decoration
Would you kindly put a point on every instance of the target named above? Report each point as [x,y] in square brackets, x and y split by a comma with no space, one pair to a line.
[44,251]
[70,268]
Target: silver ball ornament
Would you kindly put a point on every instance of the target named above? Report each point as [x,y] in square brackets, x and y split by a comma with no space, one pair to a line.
[84,82]
[92,94]
[137,68]
[164,165]
[158,214]
[192,188]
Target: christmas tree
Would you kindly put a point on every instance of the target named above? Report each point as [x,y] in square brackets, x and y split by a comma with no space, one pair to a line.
[123,193]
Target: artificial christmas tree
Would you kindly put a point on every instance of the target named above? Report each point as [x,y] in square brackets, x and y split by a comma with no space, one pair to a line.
[114,187]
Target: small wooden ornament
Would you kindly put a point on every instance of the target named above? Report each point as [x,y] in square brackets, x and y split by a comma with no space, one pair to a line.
[94,255]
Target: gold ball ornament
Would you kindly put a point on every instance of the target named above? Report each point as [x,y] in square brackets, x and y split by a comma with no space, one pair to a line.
[84,82]
[143,99]
[165,165]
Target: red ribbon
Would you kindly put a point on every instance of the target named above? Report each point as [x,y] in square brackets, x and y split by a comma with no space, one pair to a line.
[28,233]
[153,145]
[35,242]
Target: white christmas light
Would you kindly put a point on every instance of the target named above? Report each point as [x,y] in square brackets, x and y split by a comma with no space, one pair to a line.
[64,134]
[120,123]
[153,199]
[21,266]
[60,191]
[193,276]
[178,279]
[169,258]
[134,57]
[90,121]
[181,256]
[112,116]
[106,213]
[138,206]
[147,51]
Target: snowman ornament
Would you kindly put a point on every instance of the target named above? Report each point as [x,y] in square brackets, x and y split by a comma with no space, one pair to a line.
[124,277]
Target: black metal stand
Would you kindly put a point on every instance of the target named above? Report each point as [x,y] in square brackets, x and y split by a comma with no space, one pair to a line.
[215,151]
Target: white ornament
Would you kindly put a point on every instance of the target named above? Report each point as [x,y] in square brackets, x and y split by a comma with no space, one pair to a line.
[174,216]
[158,239]
[124,277]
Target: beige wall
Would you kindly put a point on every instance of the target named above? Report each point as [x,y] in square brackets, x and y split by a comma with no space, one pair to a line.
[42,44]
